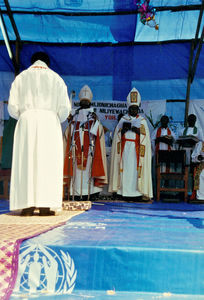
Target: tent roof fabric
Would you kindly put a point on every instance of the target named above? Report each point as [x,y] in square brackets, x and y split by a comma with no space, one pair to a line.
[88,5]
[102,29]
[56,28]
[107,41]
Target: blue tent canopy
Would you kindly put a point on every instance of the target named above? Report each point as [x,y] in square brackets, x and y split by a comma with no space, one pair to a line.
[104,44]
[88,5]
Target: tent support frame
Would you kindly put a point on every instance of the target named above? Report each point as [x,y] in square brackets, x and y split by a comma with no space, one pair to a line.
[7,42]
[106,13]
[16,58]
[193,64]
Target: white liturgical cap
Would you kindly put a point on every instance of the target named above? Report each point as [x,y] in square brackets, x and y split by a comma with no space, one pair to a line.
[133,98]
[85,93]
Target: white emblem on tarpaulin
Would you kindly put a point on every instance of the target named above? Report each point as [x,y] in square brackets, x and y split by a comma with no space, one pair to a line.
[43,270]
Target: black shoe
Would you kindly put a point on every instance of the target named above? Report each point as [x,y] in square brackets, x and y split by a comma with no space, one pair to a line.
[45,211]
[27,212]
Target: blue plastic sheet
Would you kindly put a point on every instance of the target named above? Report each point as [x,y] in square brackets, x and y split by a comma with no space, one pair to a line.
[158,71]
[89,5]
[139,62]
[54,28]
[4,206]
[73,5]
[73,29]
[137,248]
[101,29]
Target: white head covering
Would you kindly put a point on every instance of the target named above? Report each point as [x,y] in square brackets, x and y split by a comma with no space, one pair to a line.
[85,93]
[133,98]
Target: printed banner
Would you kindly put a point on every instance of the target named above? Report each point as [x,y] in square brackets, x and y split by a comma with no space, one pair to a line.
[153,111]
[108,111]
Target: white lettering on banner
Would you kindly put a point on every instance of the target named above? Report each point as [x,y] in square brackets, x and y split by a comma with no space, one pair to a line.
[108,112]
[43,270]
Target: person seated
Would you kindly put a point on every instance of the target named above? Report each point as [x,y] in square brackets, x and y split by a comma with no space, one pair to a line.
[130,170]
[85,168]
[198,158]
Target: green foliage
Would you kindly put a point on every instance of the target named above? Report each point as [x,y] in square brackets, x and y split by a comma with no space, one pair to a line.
[150,118]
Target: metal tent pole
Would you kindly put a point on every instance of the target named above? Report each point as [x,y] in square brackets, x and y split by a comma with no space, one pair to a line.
[192,66]
[15,59]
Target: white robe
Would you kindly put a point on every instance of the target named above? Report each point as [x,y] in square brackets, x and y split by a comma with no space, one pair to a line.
[198,151]
[82,177]
[123,174]
[189,150]
[39,101]
[129,175]
[162,146]
[190,131]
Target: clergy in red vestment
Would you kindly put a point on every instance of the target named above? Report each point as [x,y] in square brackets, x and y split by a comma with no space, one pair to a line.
[163,137]
[85,169]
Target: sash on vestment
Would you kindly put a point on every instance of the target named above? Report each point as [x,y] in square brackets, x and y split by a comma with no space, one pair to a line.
[158,135]
[97,171]
[195,130]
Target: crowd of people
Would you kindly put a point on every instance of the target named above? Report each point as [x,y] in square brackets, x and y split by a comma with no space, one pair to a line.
[47,167]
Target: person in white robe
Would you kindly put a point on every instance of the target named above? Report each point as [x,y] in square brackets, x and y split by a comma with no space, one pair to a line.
[85,166]
[130,170]
[198,157]
[190,130]
[39,101]
[162,138]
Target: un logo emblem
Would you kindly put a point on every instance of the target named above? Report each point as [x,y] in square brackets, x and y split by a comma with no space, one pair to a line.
[43,270]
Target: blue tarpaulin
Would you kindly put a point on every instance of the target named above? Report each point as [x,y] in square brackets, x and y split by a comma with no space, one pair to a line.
[159,71]
[152,58]
[121,251]
[123,247]
[104,44]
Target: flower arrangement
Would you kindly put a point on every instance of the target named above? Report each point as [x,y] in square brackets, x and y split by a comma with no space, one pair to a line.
[147,13]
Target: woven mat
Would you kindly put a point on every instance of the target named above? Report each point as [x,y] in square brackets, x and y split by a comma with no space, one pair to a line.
[13,230]
[76,205]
